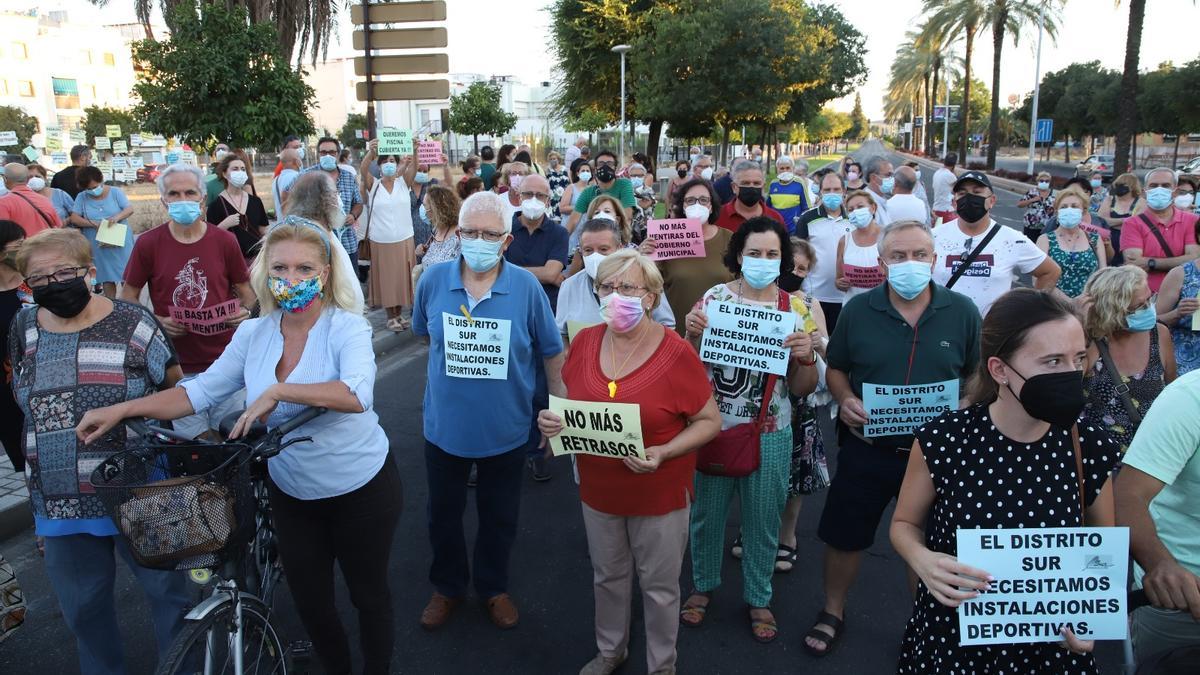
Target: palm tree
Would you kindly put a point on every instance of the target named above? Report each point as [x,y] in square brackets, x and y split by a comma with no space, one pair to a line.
[1127,111]
[1009,16]
[949,18]
[939,48]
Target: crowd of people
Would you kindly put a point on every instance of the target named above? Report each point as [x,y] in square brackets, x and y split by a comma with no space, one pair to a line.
[228,310]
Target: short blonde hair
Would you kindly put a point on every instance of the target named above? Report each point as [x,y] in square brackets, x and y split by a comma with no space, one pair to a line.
[69,242]
[860,193]
[1110,291]
[338,291]
[1044,174]
[508,168]
[616,264]
[622,221]
[1072,191]
[1131,181]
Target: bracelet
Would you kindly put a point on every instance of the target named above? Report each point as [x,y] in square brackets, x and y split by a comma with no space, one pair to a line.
[811,362]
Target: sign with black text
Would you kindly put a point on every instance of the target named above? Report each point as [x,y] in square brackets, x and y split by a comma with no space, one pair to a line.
[746,336]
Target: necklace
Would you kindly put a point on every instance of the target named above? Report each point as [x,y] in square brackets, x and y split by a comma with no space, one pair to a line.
[612,384]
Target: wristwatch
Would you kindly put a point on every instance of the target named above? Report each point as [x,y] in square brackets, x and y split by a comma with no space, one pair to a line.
[1151,264]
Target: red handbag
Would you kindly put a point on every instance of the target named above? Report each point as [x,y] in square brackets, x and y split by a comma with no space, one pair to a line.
[737,451]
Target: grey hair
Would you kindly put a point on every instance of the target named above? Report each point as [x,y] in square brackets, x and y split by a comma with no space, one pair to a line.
[745,165]
[825,173]
[289,155]
[484,204]
[1163,169]
[315,197]
[603,225]
[784,159]
[900,226]
[801,164]
[179,168]
[906,180]
[874,165]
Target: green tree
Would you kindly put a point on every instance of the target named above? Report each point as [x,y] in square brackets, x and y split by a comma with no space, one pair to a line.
[97,118]
[1166,101]
[220,79]
[355,122]
[980,102]
[25,125]
[477,111]
[859,124]
[586,120]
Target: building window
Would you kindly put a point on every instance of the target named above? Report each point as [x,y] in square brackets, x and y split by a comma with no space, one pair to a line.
[25,88]
[109,59]
[66,92]
[20,51]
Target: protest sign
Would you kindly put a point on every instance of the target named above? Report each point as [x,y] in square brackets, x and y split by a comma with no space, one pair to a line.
[1045,578]
[119,163]
[58,158]
[395,141]
[601,429]
[77,136]
[573,328]
[111,234]
[476,347]
[103,143]
[53,142]
[135,140]
[136,162]
[746,336]
[894,409]
[187,157]
[120,146]
[112,130]
[31,153]
[173,157]
[863,277]
[8,139]
[207,320]
[676,238]
[429,152]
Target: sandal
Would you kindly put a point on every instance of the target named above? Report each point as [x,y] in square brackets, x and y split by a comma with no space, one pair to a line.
[830,639]
[398,325]
[692,613]
[735,549]
[785,559]
[763,630]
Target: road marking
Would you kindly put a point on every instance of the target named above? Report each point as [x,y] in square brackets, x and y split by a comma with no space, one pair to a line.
[400,358]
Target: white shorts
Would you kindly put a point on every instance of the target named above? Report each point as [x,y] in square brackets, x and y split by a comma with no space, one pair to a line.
[199,423]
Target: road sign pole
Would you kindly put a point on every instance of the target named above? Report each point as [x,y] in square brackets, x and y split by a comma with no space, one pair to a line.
[366,9]
[1037,88]
[946,119]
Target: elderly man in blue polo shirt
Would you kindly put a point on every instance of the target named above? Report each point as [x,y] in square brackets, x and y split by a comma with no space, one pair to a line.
[489,325]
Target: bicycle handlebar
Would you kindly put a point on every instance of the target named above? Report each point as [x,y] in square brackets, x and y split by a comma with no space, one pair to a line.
[307,415]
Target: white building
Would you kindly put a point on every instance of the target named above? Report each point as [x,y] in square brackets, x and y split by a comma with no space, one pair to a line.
[333,81]
[52,68]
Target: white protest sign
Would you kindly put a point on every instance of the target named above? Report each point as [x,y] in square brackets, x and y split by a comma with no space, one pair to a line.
[395,141]
[746,336]
[187,157]
[1045,578]
[77,136]
[119,163]
[676,238]
[894,409]
[135,140]
[58,158]
[103,143]
[136,162]
[476,347]
[601,429]
[120,146]
[8,139]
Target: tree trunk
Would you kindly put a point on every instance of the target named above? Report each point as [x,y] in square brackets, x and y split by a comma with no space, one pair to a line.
[724,143]
[997,48]
[1093,146]
[1067,148]
[1127,111]
[920,144]
[965,117]
[1133,157]
[1175,159]
[652,143]
[475,142]
[937,71]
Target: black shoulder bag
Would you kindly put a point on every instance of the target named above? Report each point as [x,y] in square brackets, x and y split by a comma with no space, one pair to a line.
[1119,383]
[1162,241]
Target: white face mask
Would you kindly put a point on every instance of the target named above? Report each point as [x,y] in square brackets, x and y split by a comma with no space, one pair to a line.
[534,209]
[698,211]
[37,183]
[300,152]
[585,176]
[591,263]
[606,216]
[706,173]
[786,176]
[238,178]
[1184,201]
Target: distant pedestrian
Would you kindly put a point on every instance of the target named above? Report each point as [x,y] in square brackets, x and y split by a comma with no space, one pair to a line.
[943,190]
[1038,203]
[24,206]
[67,179]
[96,203]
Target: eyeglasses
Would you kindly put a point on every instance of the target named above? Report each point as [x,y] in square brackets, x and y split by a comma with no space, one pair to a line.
[476,234]
[65,274]
[327,152]
[692,201]
[628,290]
[607,163]
[535,195]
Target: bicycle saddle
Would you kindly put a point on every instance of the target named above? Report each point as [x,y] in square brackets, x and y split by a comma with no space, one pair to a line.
[257,430]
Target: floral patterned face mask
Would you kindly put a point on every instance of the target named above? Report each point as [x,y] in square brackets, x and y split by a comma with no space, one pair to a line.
[296,297]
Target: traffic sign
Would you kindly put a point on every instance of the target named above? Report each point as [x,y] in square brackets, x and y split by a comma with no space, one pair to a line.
[1045,130]
[406,64]
[918,122]
[399,12]
[406,90]
[402,38]
[939,113]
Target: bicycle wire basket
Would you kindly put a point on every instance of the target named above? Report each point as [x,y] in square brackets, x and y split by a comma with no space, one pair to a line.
[180,506]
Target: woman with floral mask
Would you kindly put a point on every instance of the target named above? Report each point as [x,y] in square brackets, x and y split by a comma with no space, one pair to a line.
[756,256]
[635,510]
[857,266]
[1027,397]
[96,203]
[336,497]
[1078,251]
[1122,323]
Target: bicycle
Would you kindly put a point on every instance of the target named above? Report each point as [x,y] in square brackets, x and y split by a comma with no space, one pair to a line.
[200,506]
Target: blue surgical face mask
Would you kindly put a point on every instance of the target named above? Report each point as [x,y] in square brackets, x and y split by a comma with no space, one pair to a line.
[423,214]
[481,255]
[421,178]
[184,212]
[1143,319]
[887,185]
[860,217]
[388,169]
[1070,217]
[328,162]
[1158,198]
[96,191]
[760,272]
[909,278]
[1043,185]
[832,201]
[1095,183]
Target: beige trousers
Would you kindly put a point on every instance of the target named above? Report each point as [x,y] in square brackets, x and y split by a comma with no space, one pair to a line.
[655,546]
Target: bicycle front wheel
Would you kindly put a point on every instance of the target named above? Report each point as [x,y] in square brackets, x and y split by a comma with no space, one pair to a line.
[209,646]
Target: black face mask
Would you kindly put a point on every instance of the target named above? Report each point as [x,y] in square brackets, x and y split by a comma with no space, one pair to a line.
[972,208]
[1056,398]
[681,172]
[1120,190]
[750,196]
[64,299]
[605,173]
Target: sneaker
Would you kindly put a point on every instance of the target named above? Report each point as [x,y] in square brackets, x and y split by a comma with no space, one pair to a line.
[473,477]
[603,665]
[538,466]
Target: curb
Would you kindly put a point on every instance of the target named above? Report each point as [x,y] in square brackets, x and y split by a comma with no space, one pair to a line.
[18,517]
[1002,183]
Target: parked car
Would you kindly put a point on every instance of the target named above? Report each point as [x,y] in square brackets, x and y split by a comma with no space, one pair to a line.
[1193,166]
[149,173]
[1096,163]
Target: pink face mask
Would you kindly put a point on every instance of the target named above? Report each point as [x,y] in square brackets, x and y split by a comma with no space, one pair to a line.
[514,182]
[620,312]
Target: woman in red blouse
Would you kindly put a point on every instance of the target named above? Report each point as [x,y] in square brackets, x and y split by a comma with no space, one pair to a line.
[636,511]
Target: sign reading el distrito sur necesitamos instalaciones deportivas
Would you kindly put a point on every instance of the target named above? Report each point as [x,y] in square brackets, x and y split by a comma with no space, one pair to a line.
[745,336]
[476,347]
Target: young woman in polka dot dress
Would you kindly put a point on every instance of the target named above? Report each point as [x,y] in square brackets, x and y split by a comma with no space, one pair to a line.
[1006,462]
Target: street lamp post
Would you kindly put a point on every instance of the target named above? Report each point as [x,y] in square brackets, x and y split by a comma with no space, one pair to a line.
[946,115]
[1037,88]
[621,49]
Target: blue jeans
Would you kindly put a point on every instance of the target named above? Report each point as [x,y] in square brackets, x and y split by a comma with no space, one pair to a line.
[82,570]
[497,501]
